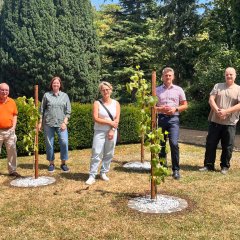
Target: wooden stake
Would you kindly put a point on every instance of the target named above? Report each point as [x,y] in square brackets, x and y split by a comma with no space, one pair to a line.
[36,136]
[153,184]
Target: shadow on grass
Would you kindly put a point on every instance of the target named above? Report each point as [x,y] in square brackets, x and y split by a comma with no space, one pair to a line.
[119,195]
[30,166]
[75,176]
[186,167]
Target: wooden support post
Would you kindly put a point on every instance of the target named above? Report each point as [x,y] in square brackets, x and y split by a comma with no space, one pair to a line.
[36,136]
[153,112]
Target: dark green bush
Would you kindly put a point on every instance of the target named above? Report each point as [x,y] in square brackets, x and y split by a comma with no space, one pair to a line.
[196,116]
[80,128]
[81,125]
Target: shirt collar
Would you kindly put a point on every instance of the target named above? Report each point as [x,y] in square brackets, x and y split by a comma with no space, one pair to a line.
[7,100]
[54,94]
[164,86]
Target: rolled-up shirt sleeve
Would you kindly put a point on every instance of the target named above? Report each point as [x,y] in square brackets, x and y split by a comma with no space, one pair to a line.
[68,108]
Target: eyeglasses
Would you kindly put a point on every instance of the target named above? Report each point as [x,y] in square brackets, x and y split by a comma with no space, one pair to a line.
[4,90]
[105,90]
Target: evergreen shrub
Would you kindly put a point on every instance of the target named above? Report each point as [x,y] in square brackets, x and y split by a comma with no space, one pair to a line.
[80,127]
[196,116]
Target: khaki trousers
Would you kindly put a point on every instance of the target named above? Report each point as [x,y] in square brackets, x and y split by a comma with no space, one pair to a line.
[8,137]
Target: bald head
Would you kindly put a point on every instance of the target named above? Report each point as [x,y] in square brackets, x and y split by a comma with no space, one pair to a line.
[3,86]
[230,76]
[4,91]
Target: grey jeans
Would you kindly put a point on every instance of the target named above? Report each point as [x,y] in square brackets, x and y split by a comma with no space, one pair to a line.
[102,149]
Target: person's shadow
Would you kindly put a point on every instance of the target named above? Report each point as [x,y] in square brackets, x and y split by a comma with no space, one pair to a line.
[82,177]
[189,168]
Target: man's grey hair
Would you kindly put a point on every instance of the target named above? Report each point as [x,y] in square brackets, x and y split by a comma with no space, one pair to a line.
[167,69]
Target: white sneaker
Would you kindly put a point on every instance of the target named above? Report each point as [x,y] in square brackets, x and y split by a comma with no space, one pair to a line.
[90,180]
[104,177]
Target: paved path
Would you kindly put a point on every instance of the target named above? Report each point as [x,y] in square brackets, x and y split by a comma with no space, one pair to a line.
[197,137]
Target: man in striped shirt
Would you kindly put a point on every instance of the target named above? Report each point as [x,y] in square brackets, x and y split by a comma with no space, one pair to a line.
[171,101]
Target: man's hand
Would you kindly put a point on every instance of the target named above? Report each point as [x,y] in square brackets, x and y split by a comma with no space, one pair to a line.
[222,113]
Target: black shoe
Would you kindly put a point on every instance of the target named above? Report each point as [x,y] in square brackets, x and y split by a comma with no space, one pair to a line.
[176,174]
[15,174]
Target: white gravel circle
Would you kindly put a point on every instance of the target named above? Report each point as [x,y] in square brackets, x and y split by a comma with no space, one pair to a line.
[32,182]
[138,165]
[162,204]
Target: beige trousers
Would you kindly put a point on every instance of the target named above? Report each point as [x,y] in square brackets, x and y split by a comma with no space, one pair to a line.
[9,138]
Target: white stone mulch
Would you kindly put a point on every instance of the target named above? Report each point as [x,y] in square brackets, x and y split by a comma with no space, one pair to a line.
[138,165]
[162,204]
[32,182]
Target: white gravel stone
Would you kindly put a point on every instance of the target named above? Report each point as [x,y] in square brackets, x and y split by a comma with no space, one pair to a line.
[138,165]
[32,182]
[162,204]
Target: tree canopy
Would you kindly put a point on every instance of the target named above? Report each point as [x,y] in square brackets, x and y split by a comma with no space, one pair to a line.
[41,39]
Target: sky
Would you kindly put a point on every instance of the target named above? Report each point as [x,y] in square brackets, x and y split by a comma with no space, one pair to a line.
[97,3]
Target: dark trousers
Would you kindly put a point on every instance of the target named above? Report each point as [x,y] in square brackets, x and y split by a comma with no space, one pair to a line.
[217,132]
[171,125]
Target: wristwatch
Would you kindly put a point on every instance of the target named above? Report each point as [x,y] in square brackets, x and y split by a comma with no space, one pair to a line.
[176,109]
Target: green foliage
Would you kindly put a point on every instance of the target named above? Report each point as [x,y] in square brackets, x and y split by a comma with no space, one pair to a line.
[196,115]
[145,101]
[80,127]
[41,39]
[210,68]
[129,41]
[179,47]
[129,124]
[26,125]
[152,137]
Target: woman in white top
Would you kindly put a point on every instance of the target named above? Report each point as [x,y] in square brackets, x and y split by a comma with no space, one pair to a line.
[105,132]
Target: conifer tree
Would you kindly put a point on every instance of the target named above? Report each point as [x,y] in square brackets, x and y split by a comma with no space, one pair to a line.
[41,39]
[128,42]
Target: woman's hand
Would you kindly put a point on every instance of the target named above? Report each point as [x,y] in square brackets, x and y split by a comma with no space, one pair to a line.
[63,126]
[114,124]
[111,134]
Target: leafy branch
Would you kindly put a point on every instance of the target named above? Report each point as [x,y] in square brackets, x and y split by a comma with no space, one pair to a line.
[152,137]
[31,115]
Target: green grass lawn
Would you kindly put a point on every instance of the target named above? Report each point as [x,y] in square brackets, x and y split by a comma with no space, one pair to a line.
[69,209]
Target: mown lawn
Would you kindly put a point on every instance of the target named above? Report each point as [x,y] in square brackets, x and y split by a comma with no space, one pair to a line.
[69,209]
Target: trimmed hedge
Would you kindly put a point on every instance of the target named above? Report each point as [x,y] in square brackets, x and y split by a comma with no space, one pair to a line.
[81,125]
[196,116]
[80,128]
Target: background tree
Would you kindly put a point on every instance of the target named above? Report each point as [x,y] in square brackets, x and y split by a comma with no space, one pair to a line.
[128,42]
[41,39]
[217,51]
[181,26]
[235,6]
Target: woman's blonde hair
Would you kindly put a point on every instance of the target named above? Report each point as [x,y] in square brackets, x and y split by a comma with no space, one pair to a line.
[104,84]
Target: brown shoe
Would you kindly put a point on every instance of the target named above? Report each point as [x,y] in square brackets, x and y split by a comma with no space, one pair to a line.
[15,174]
